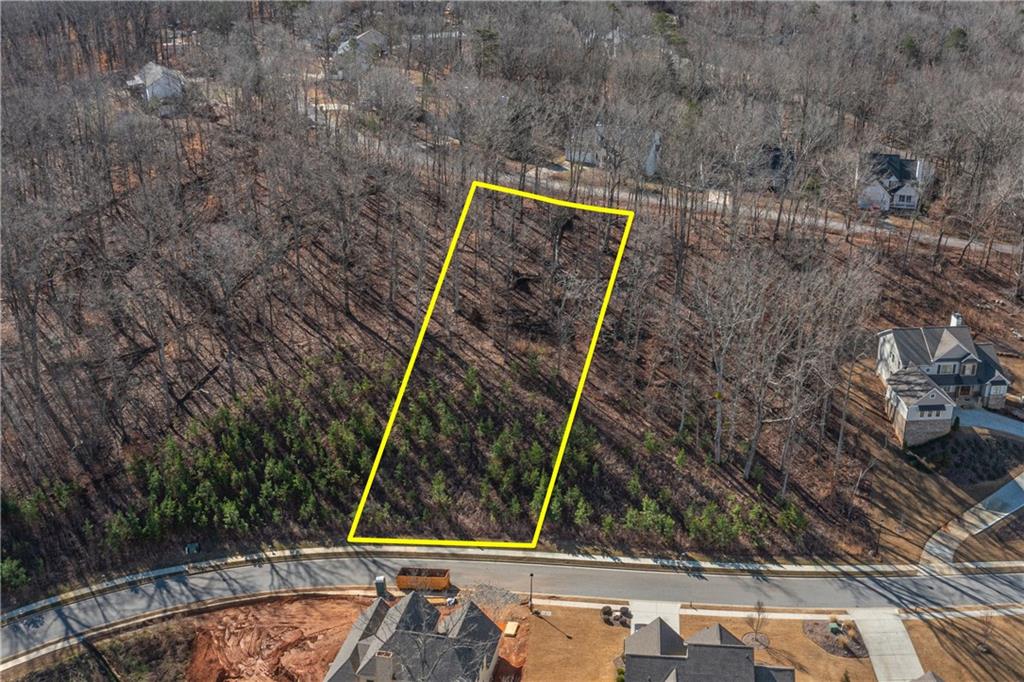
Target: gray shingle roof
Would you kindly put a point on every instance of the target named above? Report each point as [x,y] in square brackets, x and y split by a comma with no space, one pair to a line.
[911,384]
[656,638]
[883,165]
[359,639]
[714,634]
[949,343]
[409,641]
[927,345]
[767,673]
[152,72]
[990,365]
[712,655]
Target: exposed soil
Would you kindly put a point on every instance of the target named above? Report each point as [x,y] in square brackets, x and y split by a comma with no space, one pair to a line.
[290,639]
[287,639]
[512,650]
[847,644]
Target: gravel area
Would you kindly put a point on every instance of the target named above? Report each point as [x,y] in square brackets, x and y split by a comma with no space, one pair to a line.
[493,599]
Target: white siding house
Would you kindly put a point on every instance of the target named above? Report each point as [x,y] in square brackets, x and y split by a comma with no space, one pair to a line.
[930,371]
[894,184]
[158,84]
[874,197]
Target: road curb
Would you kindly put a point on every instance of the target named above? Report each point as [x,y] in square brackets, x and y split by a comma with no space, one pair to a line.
[687,566]
[195,608]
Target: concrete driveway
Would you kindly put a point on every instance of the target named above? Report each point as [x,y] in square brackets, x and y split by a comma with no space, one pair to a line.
[983,419]
[889,646]
[941,547]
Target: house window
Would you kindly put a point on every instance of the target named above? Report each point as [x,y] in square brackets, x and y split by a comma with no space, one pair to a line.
[998,390]
[969,369]
[904,198]
[946,368]
[964,390]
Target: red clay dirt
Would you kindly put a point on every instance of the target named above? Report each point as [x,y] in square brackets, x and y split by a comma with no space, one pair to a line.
[293,639]
[297,638]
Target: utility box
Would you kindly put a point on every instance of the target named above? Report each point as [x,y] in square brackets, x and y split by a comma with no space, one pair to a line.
[433,579]
[382,586]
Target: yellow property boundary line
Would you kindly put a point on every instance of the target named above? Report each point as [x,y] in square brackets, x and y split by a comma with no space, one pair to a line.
[352,536]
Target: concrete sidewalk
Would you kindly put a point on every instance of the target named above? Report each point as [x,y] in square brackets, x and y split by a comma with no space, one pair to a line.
[941,548]
[892,653]
[645,612]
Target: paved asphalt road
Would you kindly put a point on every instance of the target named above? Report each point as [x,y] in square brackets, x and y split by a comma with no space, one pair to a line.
[418,151]
[833,592]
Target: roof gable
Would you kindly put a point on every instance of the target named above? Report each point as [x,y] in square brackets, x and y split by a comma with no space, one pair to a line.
[714,634]
[357,644]
[912,385]
[928,345]
[989,370]
[408,640]
[656,638]
[886,165]
[949,343]
[471,624]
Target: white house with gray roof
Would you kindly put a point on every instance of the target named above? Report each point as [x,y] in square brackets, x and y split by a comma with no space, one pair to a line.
[354,55]
[410,642]
[158,84]
[930,371]
[893,183]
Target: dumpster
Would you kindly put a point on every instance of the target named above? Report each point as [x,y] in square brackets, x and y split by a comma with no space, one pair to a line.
[435,579]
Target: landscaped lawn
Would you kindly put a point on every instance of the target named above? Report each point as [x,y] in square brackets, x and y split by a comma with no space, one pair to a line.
[789,647]
[572,644]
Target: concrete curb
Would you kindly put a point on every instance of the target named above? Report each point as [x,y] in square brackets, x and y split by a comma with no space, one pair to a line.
[685,608]
[690,566]
[195,608]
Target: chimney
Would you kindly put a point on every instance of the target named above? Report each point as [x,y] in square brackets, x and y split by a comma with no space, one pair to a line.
[956,320]
[385,669]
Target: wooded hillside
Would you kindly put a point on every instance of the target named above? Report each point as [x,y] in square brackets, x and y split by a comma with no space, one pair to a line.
[205,314]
